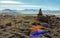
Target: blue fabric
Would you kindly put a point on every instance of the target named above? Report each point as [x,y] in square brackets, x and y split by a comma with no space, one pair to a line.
[37,33]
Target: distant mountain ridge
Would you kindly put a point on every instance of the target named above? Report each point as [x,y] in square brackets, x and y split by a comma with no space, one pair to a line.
[9,10]
[29,11]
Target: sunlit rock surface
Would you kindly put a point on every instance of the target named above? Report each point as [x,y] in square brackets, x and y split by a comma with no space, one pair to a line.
[18,26]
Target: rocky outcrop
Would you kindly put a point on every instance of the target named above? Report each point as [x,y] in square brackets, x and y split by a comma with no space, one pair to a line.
[18,26]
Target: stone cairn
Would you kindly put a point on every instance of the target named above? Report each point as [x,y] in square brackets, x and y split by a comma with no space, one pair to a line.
[41,18]
[39,14]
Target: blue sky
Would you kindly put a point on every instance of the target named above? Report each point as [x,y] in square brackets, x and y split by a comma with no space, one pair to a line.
[30,4]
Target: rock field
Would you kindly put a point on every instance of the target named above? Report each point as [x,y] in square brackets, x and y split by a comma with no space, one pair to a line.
[18,26]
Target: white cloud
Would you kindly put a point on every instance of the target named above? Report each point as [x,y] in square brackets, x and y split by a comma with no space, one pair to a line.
[10,2]
[20,7]
[24,6]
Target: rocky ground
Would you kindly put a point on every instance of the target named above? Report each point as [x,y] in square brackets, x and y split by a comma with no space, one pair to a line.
[18,26]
